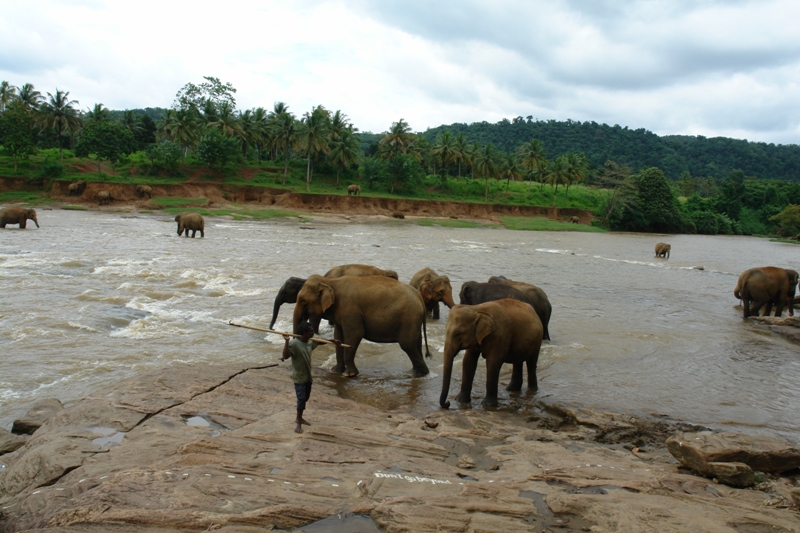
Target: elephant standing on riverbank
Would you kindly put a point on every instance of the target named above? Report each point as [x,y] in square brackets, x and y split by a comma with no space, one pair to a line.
[376,308]
[17,215]
[76,188]
[663,249]
[104,198]
[355,190]
[144,190]
[503,331]
[766,286]
[190,221]
[434,289]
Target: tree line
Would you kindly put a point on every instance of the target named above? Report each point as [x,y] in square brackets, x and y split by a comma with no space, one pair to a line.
[204,124]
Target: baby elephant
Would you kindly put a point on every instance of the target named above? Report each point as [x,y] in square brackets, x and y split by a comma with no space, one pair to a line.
[355,190]
[190,221]
[17,215]
[662,250]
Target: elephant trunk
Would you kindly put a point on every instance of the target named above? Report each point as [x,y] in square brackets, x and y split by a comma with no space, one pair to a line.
[448,300]
[275,308]
[449,356]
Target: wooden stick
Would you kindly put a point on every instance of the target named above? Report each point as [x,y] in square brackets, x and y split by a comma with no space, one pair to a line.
[321,341]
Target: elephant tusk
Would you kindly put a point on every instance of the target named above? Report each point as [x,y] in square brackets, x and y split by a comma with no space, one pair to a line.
[321,341]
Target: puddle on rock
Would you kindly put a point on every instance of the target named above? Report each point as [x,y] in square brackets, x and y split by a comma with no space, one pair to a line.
[200,421]
[111,437]
[354,523]
[545,519]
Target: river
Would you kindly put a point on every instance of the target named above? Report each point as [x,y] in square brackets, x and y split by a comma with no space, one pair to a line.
[93,297]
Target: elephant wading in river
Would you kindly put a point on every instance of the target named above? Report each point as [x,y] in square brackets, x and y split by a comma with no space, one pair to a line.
[662,250]
[376,308]
[434,289]
[499,287]
[359,270]
[502,331]
[766,286]
[287,294]
[190,221]
[17,215]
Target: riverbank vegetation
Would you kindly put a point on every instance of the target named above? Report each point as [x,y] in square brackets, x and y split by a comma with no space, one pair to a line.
[629,180]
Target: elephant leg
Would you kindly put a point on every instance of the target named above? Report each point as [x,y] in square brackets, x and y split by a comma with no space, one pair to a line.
[745,308]
[337,334]
[516,378]
[202,234]
[413,350]
[435,310]
[353,337]
[469,365]
[492,380]
[533,382]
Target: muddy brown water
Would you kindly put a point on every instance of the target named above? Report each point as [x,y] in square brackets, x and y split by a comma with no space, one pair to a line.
[92,297]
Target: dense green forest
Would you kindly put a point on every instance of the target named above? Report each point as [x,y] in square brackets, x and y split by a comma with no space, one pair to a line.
[638,149]
[630,179]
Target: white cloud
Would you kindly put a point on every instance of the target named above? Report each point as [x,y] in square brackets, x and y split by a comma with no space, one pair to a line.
[711,68]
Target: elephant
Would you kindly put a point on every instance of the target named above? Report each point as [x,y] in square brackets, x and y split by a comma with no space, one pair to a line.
[766,286]
[503,331]
[287,294]
[359,270]
[662,250]
[76,188]
[376,308]
[17,215]
[355,190]
[190,221]
[574,220]
[104,198]
[434,289]
[533,295]
[144,190]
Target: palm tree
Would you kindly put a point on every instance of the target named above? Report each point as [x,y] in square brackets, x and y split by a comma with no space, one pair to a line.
[345,151]
[576,169]
[98,114]
[486,165]
[7,94]
[260,129]
[225,120]
[29,97]
[247,130]
[461,151]
[398,140]
[180,126]
[58,113]
[285,127]
[130,122]
[511,169]
[534,158]
[557,172]
[445,148]
[312,137]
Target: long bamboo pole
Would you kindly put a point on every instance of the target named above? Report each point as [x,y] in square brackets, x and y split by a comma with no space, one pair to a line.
[321,341]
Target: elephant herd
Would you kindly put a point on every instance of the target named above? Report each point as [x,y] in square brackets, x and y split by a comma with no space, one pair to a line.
[505,321]
[765,287]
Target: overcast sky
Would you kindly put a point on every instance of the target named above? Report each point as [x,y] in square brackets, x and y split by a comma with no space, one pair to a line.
[724,68]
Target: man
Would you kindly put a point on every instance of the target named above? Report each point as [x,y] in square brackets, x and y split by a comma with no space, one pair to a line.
[299,350]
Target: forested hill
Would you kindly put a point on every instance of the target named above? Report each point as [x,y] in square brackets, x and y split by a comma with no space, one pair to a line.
[674,154]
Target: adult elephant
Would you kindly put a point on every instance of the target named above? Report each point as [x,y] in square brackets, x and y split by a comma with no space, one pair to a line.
[76,188]
[190,221]
[104,198]
[503,331]
[376,308]
[662,250]
[434,289]
[359,270]
[17,215]
[574,219]
[287,294]
[355,190]
[766,286]
[144,190]
[532,294]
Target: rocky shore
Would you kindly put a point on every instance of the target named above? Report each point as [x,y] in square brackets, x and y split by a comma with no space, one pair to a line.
[201,448]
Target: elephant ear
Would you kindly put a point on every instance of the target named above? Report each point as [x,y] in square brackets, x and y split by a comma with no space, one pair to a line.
[326,296]
[425,289]
[484,325]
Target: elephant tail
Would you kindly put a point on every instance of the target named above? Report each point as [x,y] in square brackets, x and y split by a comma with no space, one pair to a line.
[425,331]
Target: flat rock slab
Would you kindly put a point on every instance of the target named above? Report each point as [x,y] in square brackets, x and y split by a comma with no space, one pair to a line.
[761,453]
[200,448]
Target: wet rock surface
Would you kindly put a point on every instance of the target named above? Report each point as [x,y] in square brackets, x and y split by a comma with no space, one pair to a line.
[213,448]
[36,416]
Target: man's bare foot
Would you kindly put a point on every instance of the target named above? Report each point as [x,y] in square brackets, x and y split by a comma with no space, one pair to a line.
[304,421]
[298,429]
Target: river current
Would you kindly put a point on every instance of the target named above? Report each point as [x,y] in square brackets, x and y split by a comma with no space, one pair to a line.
[93,297]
